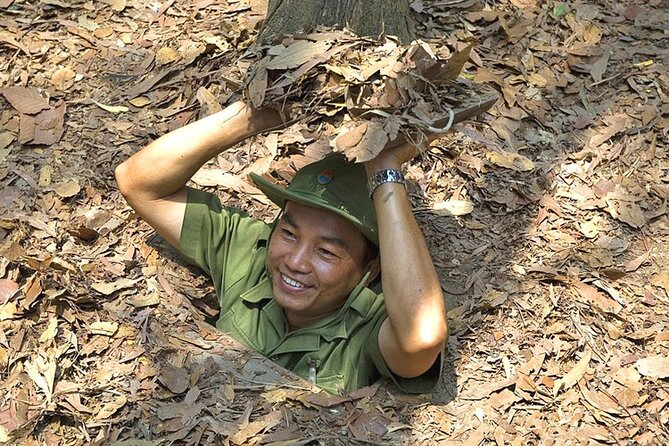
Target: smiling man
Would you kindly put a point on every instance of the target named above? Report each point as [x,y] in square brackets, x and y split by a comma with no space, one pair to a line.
[300,291]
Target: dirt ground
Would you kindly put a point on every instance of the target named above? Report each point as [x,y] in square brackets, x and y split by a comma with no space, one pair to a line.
[546,218]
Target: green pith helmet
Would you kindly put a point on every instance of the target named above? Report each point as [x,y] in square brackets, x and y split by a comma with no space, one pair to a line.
[333,184]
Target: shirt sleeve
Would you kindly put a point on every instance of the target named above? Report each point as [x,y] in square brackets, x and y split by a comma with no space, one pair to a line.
[227,244]
[424,383]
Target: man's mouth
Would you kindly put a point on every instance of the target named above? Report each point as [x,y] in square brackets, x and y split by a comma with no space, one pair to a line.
[292,282]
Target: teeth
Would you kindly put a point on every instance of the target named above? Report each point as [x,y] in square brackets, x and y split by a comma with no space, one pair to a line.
[292,282]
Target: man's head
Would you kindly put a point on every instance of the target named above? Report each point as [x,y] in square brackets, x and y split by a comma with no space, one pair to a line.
[325,239]
[334,184]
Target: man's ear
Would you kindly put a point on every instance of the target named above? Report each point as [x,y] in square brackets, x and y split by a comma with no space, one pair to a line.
[374,268]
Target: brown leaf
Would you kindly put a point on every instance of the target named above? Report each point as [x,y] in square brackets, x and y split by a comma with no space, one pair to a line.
[108,288]
[453,207]
[111,407]
[104,328]
[7,289]
[7,37]
[634,264]
[362,143]
[174,378]
[295,54]
[599,68]
[654,366]
[68,189]
[166,55]
[265,422]
[63,78]
[503,400]
[369,425]
[149,83]
[661,280]
[510,160]
[208,102]
[452,69]
[25,100]
[144,301]
[44,128]
[596,298]
[117,5]
[574,375]
[600,400]
[8,311]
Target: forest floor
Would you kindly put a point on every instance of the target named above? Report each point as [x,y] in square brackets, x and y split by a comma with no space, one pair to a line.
[554,264]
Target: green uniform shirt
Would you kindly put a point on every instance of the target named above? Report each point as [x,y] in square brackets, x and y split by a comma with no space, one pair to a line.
[339,352]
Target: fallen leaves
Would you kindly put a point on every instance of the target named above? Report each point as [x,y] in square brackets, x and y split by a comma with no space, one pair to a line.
[654,366]
[510,160]
[557,253]
[104,328]
[67,189]
[111,108]
[108,288]
[376,92]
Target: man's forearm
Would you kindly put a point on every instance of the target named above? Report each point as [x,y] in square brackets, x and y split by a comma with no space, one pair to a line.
[164,167]
[410,283]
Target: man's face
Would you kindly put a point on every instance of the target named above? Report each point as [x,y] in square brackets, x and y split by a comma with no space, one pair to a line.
[315,258]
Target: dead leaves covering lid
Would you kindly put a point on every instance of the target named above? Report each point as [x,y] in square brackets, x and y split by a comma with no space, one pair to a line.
[371,91]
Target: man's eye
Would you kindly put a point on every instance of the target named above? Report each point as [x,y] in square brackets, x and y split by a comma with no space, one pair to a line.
[287,233]
[327,254]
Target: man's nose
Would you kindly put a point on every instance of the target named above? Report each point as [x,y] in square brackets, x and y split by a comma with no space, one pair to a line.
[298,259]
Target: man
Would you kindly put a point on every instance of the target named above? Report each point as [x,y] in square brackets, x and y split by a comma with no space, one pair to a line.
[297,292]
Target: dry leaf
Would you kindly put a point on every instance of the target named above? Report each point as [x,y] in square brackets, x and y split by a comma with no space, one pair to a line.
[68,189]
[117,5]
[144,301]
[49,333]
[510,160]
[654,366]
[104,328]
[295,54]
[108,288]
[596,298]
[661,280]
[174,378]
[140,101]
[44,128]
[208,102]
[110,408]
[63,78]
[257,87]
[574,375]
[265,422]
[45,176]
[166,55]
[363,142]
[8,311]
[453,207]
[25,100]
[6,139]
[589,228]
[599,68]
[111,108]
[8,288]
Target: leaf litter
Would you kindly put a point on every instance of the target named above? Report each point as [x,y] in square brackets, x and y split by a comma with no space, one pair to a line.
[546,218]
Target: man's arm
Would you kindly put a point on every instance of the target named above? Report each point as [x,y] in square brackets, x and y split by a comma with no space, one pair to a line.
[414,334]
[153,180]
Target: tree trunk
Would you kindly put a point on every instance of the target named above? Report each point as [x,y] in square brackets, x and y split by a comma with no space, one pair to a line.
[363,17]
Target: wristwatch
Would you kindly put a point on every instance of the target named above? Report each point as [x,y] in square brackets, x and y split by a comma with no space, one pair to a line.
[384,176]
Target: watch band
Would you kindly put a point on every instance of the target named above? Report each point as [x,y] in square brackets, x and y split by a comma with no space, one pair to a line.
[384,176]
